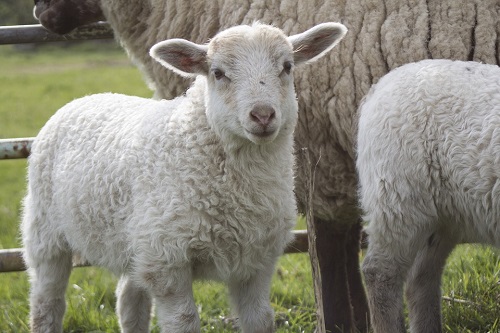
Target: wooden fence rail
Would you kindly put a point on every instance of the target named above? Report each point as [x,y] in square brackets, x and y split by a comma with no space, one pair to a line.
[35,33]
[15,148]
[11,260]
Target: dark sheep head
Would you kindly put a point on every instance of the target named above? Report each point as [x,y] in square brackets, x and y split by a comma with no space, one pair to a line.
[62,16]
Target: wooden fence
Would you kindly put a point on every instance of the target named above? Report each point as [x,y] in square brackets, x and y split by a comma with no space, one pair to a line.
[11,259]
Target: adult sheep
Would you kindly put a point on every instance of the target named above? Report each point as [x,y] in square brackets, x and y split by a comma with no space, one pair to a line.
[383,34]
[164,192]
[428,152]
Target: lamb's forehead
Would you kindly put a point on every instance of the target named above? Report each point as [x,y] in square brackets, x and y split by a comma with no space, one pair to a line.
[241,40]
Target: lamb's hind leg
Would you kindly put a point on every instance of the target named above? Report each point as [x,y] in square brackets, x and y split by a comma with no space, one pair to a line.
[423,289]
[133,307]
[385,268]
[49,279]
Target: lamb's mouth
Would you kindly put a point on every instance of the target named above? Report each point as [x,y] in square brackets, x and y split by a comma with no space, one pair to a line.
[263,134]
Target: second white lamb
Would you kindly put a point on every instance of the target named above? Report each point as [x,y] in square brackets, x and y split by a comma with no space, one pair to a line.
[428,163]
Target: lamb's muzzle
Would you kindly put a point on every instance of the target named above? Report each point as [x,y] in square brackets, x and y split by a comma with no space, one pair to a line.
[263,115]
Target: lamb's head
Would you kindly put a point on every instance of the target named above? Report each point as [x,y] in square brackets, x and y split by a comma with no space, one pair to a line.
[249,71]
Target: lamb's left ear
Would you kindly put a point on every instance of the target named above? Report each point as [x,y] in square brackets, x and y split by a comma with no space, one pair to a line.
[315,42]
[181,56]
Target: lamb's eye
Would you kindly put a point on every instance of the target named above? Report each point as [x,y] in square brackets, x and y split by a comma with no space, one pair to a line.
[287,67]
[218,74]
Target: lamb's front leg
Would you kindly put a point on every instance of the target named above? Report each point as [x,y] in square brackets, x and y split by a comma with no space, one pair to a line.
[172,291]
[250,299]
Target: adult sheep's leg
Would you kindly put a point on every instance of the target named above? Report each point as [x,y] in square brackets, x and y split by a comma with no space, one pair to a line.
[332,256]
[250,300]
[423,289]
[172,291]
[49,279]
[355,280]
[133,307]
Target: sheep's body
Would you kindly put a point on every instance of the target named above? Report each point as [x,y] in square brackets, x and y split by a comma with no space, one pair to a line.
[383,35]
[164,192]
[130,169]
[428,154]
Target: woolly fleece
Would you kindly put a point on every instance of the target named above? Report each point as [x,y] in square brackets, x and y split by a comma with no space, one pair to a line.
[428,156]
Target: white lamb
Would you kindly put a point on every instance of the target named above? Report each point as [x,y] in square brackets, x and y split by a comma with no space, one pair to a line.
[164,192]
[428,157]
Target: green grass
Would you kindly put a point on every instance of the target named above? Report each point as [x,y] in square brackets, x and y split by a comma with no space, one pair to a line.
[34,85]
[471,286]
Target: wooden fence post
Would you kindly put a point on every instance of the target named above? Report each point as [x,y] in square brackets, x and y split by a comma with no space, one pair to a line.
[311,235]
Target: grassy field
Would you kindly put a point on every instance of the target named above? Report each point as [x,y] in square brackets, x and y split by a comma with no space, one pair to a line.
[34,85]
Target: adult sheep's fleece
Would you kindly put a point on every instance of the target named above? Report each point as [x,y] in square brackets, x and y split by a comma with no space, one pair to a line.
[383,34]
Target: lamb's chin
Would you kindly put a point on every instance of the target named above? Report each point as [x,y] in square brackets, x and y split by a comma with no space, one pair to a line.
[261,137]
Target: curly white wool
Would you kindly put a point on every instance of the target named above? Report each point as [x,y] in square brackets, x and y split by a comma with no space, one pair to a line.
[428,154]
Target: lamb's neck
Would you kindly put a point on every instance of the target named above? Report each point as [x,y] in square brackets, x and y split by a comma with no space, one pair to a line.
[273,158]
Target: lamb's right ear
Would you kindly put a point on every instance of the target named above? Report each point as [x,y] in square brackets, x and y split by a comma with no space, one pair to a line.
[181,56]
[315,42]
